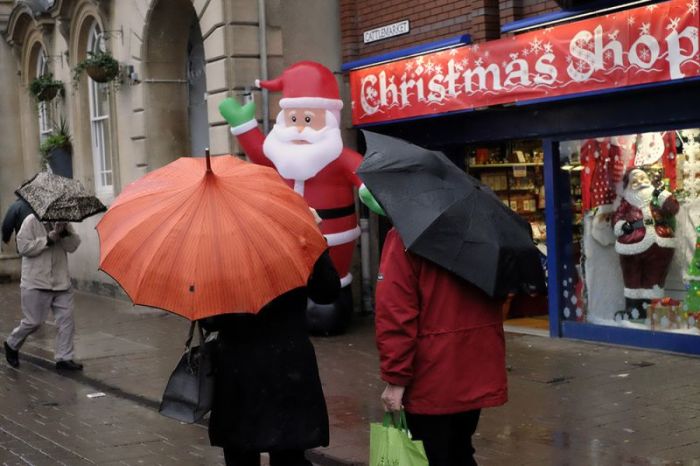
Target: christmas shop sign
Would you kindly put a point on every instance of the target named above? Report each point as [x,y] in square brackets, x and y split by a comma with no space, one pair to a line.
[648,44]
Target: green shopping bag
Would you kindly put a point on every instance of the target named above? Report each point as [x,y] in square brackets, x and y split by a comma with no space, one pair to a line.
[390,444]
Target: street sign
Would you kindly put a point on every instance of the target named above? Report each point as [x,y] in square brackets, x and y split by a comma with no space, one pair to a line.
[384,32]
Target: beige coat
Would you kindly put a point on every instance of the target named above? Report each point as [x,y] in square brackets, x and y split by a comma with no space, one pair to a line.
[44,267]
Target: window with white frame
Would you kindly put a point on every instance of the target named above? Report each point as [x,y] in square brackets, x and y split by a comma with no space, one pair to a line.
[99,122]
[44,110]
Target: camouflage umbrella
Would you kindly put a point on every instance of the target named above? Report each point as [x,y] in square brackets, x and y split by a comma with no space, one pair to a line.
[56,198]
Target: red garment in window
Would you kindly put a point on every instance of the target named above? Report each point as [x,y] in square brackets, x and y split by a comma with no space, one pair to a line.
[602,168]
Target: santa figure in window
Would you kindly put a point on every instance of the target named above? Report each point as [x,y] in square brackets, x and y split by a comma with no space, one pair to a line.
[643,225]
[306,148]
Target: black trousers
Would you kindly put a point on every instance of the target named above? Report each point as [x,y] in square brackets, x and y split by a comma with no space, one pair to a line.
[447,438]
[277,458]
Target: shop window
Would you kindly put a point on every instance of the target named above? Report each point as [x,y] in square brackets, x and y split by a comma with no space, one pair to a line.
[514,171]
[636,208]
[99,122]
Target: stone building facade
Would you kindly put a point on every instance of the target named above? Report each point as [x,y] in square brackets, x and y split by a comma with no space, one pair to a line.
[178,59]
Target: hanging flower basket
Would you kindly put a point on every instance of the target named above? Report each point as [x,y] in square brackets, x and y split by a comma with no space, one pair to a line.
[45,88]
[101,74]
[100,66]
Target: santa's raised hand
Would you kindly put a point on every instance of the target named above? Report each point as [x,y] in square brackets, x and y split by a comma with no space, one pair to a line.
[235,113]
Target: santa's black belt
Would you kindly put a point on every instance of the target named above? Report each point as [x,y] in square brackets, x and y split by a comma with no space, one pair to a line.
[327,214]
[646,221]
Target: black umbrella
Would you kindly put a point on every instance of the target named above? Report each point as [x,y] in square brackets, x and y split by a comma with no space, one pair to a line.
[450,218]
[56,198]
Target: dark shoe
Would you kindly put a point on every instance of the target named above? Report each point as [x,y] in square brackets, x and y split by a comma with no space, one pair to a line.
[69,366]
[12,356]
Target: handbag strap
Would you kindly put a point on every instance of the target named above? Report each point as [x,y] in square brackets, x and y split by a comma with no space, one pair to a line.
[188,343]
[190,335]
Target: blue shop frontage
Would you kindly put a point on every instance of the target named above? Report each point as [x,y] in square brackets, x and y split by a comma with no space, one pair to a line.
[608,177]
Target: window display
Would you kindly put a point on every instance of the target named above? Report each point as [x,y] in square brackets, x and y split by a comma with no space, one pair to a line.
[514,171]
[639,260]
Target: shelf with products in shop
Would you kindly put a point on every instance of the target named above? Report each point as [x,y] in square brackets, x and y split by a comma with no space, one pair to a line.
[514,172]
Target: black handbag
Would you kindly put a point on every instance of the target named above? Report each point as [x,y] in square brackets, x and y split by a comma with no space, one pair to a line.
[190,390]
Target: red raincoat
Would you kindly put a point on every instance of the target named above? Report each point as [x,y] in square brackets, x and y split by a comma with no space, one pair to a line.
[438,335]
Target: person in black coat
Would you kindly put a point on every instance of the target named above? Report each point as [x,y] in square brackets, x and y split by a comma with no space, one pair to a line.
[14,217]
[267,391]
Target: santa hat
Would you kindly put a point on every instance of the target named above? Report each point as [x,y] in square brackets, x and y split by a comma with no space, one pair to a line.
[306,84]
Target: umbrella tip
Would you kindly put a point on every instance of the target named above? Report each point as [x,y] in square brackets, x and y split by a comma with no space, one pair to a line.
[206,154]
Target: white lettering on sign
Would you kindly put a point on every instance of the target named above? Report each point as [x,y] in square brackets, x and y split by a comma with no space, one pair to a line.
[384,32]
[623,49]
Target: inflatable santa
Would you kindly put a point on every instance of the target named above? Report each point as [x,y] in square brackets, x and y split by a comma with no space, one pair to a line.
[643,225]
[306,148]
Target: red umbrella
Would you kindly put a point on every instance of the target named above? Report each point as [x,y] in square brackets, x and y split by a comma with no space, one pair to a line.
[200,239]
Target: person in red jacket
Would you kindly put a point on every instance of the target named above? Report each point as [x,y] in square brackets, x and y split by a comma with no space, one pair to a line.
[442,351]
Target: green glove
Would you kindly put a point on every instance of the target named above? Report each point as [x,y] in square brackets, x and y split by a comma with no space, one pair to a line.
[235,113]
[368,199]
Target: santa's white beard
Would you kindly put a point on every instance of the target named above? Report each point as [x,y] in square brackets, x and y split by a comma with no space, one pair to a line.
[640,197]
[302,161]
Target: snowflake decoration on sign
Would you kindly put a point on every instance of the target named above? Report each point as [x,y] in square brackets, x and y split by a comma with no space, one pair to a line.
[645,54]
[630,21]
[548,47]
[514,56]
[673,25]
[645,28]
[453,52]
[525,52]
[581,65]
[549,29]
[487,53]
[419,61]
[581,42]
[535,46]
[372,93]
[651,7]
[478,61]
[475,47]
[438,69]
[430,67]
[608,54]
[464,63]
[693,7]
[693,33]
[613,35]
[409,66]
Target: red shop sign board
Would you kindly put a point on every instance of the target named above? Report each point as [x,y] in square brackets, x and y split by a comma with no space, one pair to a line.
[648,44]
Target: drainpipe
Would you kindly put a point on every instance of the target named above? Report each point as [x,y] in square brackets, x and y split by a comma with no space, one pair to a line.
[262,40]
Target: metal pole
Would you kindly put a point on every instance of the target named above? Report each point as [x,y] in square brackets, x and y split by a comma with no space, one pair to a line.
[262,39]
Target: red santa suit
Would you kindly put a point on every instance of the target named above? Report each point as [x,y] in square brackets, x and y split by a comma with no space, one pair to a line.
[647,250]
[331,190]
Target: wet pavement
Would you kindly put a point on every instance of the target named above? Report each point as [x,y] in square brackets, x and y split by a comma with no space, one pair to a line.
[571,403]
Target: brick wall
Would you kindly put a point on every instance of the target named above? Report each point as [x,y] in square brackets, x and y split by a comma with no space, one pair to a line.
[430,20]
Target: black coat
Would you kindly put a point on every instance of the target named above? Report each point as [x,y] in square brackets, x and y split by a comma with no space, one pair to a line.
[267,393]
[14,217]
